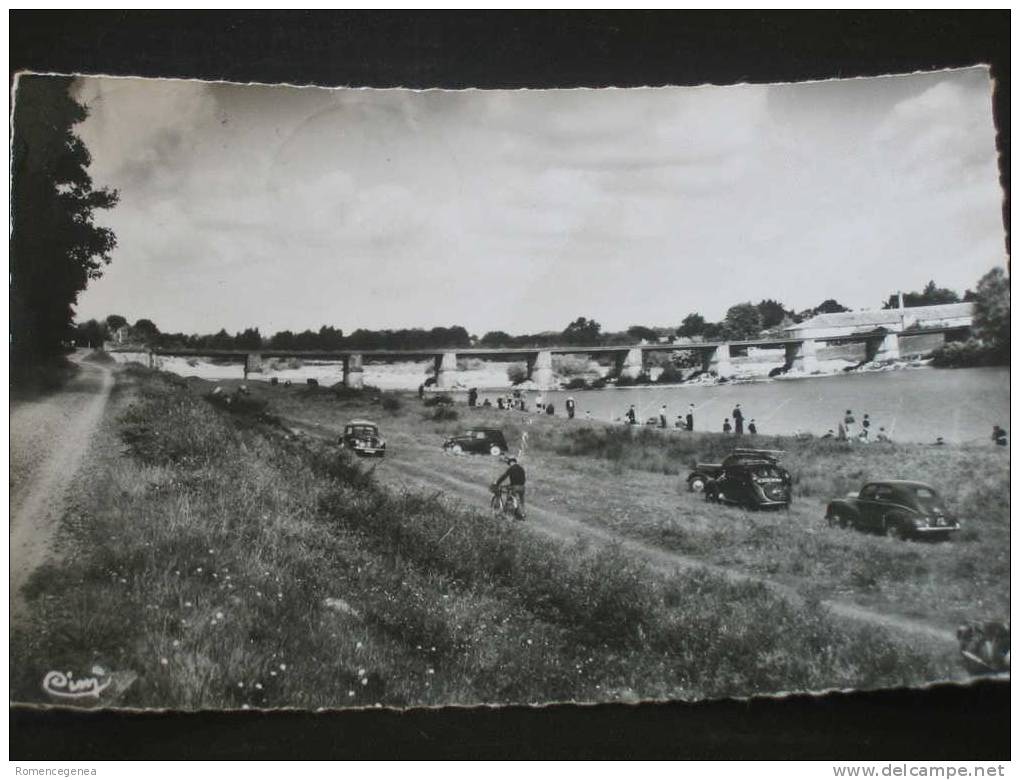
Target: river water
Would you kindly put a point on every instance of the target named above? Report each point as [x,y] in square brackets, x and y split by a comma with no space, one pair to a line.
[961,405]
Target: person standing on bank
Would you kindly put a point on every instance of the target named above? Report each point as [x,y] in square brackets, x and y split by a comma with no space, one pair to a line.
[848,424]
[663,420]
[472,396]
[752,428]
[570,407]
[631,416]
[690,418]
[738,420]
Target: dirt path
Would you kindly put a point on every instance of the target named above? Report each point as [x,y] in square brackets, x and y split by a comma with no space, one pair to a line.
[401,469]
[49,437]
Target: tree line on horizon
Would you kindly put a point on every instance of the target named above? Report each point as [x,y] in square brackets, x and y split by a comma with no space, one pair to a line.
[742,321]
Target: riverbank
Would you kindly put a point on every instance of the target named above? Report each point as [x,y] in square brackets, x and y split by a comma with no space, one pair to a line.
[230,556]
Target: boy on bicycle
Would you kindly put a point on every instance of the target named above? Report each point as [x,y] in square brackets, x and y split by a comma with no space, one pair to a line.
[515,473]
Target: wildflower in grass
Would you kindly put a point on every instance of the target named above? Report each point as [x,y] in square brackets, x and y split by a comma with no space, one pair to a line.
[364,681]
[361,672]
[358,646]
[350,693]
[272,673]
[176,643]
[187,603]
[240,685]
[219,616]
[163,661]
[199,570]
[258,686]
[283,667]
[431,670]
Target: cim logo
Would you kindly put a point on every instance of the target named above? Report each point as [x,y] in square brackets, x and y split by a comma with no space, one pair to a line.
[62,685]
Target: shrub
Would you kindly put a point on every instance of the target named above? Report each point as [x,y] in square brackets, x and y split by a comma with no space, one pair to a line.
[577,383]
[99,356]
[517,373]
[968,354]
[443,413]
[439,399]
[391,403]
[670,375]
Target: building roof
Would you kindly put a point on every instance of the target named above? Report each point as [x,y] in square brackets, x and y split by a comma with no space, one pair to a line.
[878,317]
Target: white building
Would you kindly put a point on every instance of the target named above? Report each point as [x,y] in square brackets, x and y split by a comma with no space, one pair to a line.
[946,315]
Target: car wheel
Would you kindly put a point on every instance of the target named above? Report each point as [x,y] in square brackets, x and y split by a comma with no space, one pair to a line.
[894,530]
[835,521]
[494,450]
[456,449]
[696,484]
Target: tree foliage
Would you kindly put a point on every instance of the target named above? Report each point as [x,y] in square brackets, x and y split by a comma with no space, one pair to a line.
[991,311]
[582,331]
[771,313]
[929,296]
[56,249]
[641,332]
[742,321]
[693,325]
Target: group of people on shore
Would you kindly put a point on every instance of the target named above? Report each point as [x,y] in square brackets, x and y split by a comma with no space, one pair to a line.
[518,401]
[846,430]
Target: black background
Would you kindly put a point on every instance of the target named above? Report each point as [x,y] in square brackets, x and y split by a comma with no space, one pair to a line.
[532,49]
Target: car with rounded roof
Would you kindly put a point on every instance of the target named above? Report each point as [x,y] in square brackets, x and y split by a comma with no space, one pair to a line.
[479,441]
[362,438]
[900,508]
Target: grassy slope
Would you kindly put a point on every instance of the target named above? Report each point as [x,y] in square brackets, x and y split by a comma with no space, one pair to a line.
[631,482]
[202,558]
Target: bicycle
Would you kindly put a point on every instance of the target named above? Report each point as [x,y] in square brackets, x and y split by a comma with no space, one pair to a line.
[505,502]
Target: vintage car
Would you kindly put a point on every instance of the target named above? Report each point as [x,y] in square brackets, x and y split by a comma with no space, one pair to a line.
[705,472]
[897,508]
[480,441]
[362,437]
[755,482]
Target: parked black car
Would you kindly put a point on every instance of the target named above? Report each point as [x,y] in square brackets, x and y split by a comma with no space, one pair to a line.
[899,508]
[362,436]
[753,485]
[703,473]
[480,441]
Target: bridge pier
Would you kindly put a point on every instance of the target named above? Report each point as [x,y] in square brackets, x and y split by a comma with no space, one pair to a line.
[354,371]
[540,370]
[802,356]
[446,370]
[884,348]
[717,360]
[630,364]
[252,363]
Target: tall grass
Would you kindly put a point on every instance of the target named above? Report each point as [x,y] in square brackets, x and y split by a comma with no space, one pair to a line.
[230,566]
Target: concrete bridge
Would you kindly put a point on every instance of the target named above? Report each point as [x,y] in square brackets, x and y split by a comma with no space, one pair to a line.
[716,356]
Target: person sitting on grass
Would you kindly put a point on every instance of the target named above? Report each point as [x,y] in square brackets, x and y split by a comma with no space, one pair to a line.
[514,473]
[883,436]
[752,428]
[999,436]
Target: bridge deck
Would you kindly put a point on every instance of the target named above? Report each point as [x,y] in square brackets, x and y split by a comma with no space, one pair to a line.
[511,352]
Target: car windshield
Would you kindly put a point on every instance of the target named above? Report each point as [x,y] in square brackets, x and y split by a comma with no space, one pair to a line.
[363,430]
[767,472]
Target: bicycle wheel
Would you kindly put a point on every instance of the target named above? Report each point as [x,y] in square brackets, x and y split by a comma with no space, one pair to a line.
[497,505]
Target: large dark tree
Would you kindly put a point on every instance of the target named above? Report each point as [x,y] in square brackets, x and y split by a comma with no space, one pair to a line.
[991,311]
[582,331]
[929,296]
[55,246]
[742,321]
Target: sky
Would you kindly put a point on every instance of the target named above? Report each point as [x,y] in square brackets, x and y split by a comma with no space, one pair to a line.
[290,208]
